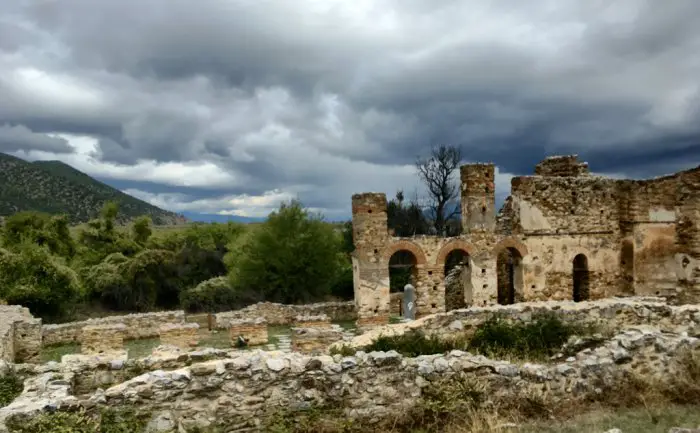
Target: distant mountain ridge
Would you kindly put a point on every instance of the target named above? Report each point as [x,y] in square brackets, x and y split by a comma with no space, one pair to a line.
[57,188]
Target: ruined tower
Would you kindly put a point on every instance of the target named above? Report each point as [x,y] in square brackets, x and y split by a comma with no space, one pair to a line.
[478,197]
[370,235]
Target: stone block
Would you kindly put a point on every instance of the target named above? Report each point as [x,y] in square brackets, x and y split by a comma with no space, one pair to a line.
[315,340]
[312,321]
[370,322]
[254,331]
[105,338]
[182,335]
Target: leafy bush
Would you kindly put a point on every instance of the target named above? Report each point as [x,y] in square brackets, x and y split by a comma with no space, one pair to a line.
[545,334]
[32,277]
[213,295]
[10,387]
[41,229]
[412,343]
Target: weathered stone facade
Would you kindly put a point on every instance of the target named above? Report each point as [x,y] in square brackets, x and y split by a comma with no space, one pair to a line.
[182,335]
[562,234]
[254,331]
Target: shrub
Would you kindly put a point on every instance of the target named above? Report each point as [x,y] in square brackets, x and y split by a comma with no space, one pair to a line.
[10,387]
[413,343]
[213,295]
[539,338]
[108,421]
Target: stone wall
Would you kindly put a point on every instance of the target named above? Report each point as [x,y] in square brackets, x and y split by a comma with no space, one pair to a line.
[185,335]
[283,314]
[611,314]
[253,331]
[315,339]
[138,326]
[244,390]
[20,334]
[102,338]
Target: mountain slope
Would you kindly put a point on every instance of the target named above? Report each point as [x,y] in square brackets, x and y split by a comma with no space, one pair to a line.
[55,187]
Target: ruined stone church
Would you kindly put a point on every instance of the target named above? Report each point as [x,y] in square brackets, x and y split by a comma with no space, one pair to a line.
[563,234]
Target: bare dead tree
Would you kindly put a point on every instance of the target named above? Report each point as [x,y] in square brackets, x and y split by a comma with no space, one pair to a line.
[437,172]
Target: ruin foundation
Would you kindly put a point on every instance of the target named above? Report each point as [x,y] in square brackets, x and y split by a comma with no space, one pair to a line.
[103,339]
[184,336]
[254,331]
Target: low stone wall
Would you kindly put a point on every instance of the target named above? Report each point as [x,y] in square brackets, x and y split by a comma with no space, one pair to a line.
[243,390]
[138,326]
[319,321]
[612,314]
[20,334]
[105,338]
[254,331]
[282,314]
[315,340]
[184,335]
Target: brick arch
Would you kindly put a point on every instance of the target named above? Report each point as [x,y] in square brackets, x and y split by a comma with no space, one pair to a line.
[404,246]
[511,243]
[446,249]
[578,251]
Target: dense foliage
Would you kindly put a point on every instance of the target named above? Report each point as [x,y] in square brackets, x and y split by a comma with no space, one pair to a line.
[58,271]
[56,188]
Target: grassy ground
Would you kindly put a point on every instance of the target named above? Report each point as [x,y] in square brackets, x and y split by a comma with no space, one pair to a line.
[651,420]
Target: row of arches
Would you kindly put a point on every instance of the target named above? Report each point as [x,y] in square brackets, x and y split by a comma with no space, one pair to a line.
[403,269]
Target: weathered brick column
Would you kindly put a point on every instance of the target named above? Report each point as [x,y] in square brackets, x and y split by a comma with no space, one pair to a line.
[182,335]
[253,330]
[106,338]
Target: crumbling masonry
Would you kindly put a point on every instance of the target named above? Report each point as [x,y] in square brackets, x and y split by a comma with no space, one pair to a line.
[563,234]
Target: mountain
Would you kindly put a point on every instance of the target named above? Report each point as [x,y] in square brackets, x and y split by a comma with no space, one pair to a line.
[58,188]
[216,218]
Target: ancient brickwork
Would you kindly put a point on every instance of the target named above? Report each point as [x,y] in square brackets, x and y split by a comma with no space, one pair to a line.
[138,326]
[254,331]
[283,314]
[20,334]
[103,338]
[183,335]
[569,235]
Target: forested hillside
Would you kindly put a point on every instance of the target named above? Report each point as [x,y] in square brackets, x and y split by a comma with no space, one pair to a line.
[57,188]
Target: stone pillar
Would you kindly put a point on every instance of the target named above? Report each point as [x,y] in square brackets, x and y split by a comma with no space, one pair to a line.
[430,290]
[478,197]
[253,331]
[107,338]
[182,335]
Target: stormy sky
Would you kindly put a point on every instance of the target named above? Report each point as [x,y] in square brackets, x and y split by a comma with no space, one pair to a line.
[232,106]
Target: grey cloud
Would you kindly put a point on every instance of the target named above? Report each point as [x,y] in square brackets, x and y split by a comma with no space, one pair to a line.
[309,100]
[19,137]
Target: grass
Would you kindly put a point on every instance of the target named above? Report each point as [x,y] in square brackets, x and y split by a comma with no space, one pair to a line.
[536,340]
[10,387]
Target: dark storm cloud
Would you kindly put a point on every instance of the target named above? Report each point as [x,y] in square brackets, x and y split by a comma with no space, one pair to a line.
[19,137]
[323,99]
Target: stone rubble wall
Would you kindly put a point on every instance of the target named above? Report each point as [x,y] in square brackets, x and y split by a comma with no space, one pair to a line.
[138,326]
[611,314]
[179,335]
[243,390]
[319,321]
[104,338]
[20,334]
[282,314]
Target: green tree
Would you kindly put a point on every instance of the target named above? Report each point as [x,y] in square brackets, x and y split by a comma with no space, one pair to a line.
[293,257]
[100,238]
[41,229]
[32,277]
[141,229]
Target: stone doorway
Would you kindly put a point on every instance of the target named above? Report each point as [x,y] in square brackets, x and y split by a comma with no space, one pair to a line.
[581,277]
[458,287]
[509,270]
